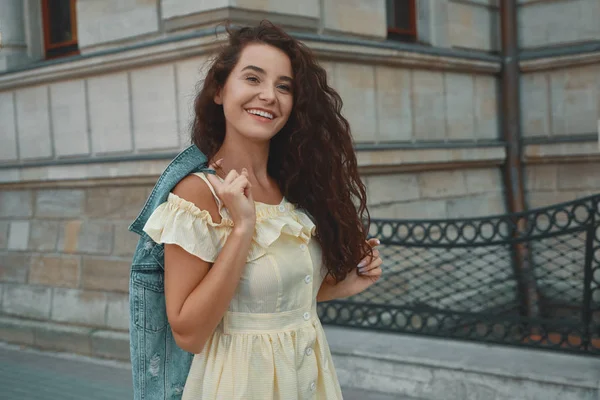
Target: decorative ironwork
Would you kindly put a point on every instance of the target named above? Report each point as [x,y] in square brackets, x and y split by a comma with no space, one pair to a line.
[456,278]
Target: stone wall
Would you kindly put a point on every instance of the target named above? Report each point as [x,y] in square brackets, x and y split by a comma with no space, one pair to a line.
[557,22]
[65,254]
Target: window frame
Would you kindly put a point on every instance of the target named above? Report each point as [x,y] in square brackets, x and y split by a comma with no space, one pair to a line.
[410,33]
[46,31]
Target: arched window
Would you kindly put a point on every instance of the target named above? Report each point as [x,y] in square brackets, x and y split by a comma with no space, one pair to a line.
[59,21]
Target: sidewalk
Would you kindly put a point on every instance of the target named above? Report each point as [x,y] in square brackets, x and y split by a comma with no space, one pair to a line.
[34,375]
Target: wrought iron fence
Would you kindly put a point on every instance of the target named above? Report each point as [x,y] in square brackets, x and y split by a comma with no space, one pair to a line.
[529,279]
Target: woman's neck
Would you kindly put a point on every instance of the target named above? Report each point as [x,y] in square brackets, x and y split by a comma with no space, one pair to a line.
[238,154]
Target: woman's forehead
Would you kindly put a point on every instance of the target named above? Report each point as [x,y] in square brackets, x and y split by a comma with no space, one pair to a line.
[271,59]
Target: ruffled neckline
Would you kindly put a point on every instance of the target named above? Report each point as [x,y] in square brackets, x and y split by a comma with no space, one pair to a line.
[272,221]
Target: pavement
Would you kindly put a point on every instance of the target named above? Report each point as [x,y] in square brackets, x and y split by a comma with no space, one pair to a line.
[28,374]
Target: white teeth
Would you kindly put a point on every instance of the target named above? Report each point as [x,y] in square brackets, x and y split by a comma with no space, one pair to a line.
[261,113]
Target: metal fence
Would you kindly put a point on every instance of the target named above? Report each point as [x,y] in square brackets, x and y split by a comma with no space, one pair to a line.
[530,279]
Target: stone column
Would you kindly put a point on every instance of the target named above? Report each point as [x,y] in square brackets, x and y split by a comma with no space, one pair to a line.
[12,27]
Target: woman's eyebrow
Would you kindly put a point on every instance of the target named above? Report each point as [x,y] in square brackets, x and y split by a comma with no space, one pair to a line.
[263,72]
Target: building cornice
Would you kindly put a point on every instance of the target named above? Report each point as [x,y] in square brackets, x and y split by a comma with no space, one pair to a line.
[208,40]
[560,57]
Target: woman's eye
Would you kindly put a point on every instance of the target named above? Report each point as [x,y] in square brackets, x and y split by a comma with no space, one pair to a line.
[285,87]
[252,78]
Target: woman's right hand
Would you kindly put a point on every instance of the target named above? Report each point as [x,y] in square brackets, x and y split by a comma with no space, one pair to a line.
[236,194]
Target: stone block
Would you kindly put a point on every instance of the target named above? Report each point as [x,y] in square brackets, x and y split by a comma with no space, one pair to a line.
[393,106]
[26,301]
[125,241]
[33,120]
[429,105]
[183,8]
[69,118]
[442,184]
[14,267]
[357,17]
[383,189]
[112,20]
[16,203]
[16,331]
[189,74]
[113,345]
[117,315]
[483,180]
[115,203]
[575,100]
[64,338]
[534,104]
[105,274]
[547,23]
[79,307]
[476,206]
[59,203]
[18,235]
[486,107]
[356,85]
[579,176]
[92,237]
[538,199]
[4,226]
[8,129]
[110,119]
[460,110]
[541,177]
[421,209]
[470,26]
[44,235]
[154,108]
[56,271]
[68,238]
[308,8]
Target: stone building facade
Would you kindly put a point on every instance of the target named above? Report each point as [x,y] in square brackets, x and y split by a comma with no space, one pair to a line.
[83,138]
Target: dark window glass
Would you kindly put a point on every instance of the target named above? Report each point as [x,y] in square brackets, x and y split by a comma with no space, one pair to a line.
[60,24]
[401,20]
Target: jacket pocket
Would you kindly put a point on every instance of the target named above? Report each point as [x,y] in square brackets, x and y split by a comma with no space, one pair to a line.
[148,300]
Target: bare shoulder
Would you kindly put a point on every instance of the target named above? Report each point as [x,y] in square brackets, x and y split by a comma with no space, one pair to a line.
[195,190]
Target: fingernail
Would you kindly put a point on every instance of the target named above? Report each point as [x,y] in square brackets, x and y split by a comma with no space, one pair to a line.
[361,264]
[378,241]
[361,270]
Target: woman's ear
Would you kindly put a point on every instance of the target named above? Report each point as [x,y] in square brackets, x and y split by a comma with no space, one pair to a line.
[218,99]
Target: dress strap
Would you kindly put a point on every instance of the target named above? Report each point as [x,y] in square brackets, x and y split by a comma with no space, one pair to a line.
[202,176]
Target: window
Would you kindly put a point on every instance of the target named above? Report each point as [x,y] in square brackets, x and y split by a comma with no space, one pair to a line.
[402,20]
[60,28]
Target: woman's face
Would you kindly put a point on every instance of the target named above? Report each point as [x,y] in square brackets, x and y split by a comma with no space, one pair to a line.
[257,97]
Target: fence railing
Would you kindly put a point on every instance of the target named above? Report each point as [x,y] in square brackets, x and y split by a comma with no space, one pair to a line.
[530,279]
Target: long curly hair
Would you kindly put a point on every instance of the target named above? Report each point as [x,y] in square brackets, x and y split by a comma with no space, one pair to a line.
[311,158]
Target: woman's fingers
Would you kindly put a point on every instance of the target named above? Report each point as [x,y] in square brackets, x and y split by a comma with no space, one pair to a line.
[373,242]
[374,269]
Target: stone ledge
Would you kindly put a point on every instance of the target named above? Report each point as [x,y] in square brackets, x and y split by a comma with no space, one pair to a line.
[561,152]
[208,40]
[65,338]
[145,172]
[432,368]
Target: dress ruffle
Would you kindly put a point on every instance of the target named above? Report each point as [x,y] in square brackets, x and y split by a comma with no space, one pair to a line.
[178,221]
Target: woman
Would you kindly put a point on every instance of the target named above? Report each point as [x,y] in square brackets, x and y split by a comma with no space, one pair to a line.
[251,249]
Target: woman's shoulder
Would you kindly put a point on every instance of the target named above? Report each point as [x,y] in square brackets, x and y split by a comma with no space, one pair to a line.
[197,191]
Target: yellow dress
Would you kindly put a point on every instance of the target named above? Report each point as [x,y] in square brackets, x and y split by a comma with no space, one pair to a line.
[270,343]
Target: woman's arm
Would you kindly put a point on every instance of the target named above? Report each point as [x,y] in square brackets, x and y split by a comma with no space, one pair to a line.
[198,294]
[367,273]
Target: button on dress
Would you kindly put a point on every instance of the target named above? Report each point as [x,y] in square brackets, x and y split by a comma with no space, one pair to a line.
[270,343]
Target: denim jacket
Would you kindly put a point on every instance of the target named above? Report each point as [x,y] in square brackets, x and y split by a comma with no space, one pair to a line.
[159,366]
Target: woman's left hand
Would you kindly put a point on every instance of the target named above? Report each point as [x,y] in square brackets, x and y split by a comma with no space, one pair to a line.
[367,273]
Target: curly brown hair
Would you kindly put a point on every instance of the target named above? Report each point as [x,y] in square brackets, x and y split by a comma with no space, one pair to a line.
[311,158]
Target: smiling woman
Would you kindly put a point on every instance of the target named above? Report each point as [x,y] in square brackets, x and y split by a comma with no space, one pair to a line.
[268,227]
